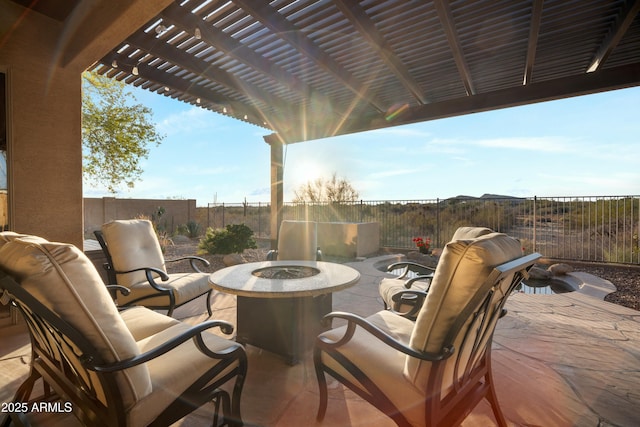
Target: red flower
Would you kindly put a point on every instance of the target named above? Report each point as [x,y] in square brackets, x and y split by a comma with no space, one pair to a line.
[422,243]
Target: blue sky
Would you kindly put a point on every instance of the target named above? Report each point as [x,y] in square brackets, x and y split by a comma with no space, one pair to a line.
[586,145]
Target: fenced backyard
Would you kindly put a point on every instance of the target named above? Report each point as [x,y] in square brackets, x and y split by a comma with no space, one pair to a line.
[591,228]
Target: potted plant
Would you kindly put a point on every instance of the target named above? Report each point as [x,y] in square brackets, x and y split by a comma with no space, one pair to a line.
[423,245]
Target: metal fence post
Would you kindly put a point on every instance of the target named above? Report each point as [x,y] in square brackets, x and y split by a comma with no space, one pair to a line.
[438,222]
[535,224]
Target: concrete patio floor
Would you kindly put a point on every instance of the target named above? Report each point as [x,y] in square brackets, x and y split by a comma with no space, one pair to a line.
[559,360]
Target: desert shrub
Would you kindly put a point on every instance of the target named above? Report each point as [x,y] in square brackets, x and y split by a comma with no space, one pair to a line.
[190,229]
[234,238]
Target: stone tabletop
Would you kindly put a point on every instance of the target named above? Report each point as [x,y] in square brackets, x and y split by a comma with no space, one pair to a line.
[276,279]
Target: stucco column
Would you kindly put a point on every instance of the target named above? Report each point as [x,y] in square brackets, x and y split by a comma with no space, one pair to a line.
[277,192]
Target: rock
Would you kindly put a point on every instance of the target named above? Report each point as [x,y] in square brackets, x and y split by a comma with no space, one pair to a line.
[233,259]
[181,240]
[539,273]
[436,252]
[560,269]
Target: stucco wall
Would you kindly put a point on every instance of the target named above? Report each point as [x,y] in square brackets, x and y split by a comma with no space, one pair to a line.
[44,151]
[97,211]
[348,239]
[43,60]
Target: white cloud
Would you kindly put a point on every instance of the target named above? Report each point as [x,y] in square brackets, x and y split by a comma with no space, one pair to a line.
[548,144]
[186,121]
[540,144]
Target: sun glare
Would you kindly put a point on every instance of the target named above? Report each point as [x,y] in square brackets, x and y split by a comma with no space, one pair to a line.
[302,172]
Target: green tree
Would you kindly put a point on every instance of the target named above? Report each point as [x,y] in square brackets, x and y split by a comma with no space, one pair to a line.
[334,190]
[116,133]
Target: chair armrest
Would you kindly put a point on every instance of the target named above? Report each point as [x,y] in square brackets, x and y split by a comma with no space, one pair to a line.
[194,332]
[412,314]
[117,288]
[192,260]
[149,274]
[411,281]
[353,320]
[408,266]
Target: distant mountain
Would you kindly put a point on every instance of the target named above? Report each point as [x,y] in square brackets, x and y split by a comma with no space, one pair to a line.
[484,196]
[498,196]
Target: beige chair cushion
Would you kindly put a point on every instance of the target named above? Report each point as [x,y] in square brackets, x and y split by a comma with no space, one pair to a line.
[463,267]
[8,236]
[133,244]
[298,240]
[64,279]
[173,372]
[470,232]
[143,323]
[185,287]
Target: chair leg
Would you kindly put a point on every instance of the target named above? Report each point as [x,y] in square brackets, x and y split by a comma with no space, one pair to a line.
[221,399]
[492,397]
[236,416]
[322,384]
[25,389]
[209,302]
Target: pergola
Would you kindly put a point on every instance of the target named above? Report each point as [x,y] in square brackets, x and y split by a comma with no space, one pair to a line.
[310,69]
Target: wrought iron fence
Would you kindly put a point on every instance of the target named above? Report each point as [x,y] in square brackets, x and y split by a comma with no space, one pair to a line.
[592,228]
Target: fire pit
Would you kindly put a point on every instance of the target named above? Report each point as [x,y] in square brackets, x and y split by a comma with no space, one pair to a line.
[284,272]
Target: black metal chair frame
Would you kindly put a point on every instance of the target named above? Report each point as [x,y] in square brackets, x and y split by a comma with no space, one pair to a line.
[149,273]
[412,298]
[476,382]
[73,371]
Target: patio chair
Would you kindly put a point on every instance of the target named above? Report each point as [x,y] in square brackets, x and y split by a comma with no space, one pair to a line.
[434,371]
[406,293]
[135,261]
[297,240]
[109,368]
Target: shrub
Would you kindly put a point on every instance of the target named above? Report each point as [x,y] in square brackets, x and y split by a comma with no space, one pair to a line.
[234,238]
[190,229]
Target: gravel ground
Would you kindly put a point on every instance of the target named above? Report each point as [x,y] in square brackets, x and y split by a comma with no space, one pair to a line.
[625,278]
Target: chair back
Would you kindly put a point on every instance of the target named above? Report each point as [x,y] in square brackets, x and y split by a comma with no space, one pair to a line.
[8,236]
[132,244]
[298,240]
[470,285]
[64,281]
[470,232]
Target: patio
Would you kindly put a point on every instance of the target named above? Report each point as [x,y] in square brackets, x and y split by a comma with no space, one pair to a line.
[559,360]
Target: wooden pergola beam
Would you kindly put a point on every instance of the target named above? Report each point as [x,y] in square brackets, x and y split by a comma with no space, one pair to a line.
[265,13]
[446,19]
[367,29]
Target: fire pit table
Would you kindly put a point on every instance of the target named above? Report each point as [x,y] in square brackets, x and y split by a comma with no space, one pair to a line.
[281,303]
